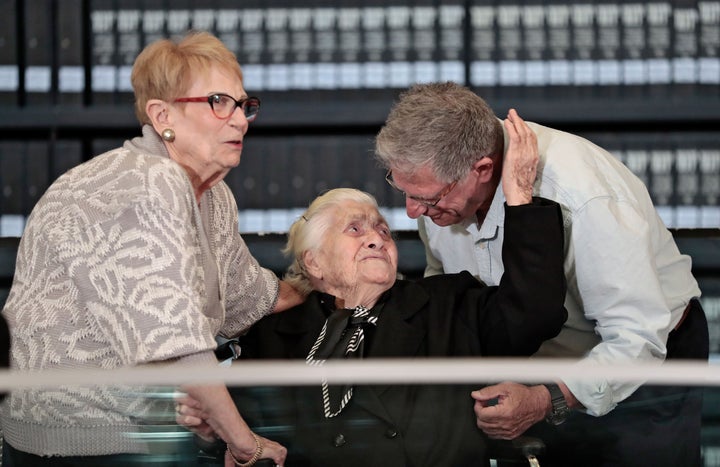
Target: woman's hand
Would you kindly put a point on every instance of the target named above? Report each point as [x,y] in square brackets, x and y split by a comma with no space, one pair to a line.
[270,450]
[521,159]
[189,414]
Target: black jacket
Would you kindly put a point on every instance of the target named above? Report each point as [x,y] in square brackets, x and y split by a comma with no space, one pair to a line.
[441,316]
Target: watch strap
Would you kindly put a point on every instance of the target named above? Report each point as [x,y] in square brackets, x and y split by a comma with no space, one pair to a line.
[560,410]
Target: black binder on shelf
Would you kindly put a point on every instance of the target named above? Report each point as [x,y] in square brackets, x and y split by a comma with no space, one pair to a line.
[483,48]
[299,52]
[178,18]
[71,59]
[662,184]
[633,48]
[154,19]
[687,187]
[608,50]
[685,48]
[452,20]
[709,48]
[38,46]
[248,180]
[129,40]
[424,51]
[356,164]
[36,176]
[274,179]
[13,168]
[253,44]
[375,54]
[559,49]
[399,37]
[66,154]
[277,47]
[535,48]
[584,75]
[510,47]
[658,30]
[103,60]
[709,194]
[9,66]
[227,25]
[349,45]
[327,47]
[202,17]
[306,166]
[637,159]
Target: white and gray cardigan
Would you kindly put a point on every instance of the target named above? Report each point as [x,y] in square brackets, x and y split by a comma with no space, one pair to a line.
[119,266]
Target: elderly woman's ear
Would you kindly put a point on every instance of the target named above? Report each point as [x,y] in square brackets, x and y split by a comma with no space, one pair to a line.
[311,265]
[157,112]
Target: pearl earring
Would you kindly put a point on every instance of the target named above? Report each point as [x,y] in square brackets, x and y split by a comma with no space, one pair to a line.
[168,135]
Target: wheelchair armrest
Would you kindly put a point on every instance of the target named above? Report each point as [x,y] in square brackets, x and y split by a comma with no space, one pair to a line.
[516,451]
[529,446]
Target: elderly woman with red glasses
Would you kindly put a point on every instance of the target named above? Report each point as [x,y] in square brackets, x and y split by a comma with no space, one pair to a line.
[133,258]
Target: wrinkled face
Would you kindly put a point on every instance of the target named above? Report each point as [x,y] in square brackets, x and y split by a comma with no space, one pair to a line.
[459,203]
[206,144]
[357,250]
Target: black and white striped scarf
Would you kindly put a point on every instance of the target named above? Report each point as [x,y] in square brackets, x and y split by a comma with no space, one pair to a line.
[342,336]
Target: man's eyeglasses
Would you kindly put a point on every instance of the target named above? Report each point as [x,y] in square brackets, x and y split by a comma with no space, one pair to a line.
[223,105]
[428,202]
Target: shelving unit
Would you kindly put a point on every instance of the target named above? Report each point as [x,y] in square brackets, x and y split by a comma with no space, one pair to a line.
[640,78]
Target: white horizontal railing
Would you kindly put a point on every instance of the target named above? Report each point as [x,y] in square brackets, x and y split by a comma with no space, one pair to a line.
[384,371]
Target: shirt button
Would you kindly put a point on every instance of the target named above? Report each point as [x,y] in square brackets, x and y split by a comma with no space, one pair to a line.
[391,433]
[339,440]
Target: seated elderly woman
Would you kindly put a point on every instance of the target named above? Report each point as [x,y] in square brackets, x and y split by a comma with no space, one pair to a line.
[345,257]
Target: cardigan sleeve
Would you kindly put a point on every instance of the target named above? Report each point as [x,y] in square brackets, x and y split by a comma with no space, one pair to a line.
[250,291]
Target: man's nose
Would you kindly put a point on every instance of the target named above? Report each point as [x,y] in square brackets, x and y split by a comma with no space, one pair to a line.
[414,209]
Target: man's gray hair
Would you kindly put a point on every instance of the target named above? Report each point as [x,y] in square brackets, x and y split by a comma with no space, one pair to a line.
[442,125]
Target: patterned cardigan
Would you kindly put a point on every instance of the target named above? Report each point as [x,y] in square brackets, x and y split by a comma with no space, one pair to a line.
[119,266]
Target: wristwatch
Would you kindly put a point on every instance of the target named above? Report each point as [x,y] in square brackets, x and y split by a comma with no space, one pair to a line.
[560,410]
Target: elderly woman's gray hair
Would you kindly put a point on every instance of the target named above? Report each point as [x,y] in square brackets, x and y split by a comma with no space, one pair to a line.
[308,231]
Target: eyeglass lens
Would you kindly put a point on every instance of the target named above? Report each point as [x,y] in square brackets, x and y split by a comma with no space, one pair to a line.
[224,105]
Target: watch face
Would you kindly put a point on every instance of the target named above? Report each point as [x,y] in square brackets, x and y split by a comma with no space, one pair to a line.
[557,417]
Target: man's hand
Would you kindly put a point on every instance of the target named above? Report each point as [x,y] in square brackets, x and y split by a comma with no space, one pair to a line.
[520,162]
[518,407]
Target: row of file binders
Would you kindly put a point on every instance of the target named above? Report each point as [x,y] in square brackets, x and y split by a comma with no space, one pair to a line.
[683,178]
[81,52]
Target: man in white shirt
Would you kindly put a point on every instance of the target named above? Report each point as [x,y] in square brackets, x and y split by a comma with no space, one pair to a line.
[631,294]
